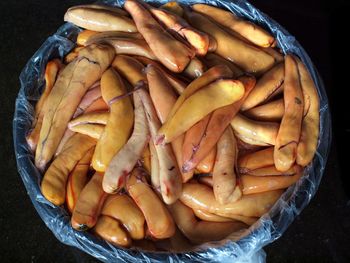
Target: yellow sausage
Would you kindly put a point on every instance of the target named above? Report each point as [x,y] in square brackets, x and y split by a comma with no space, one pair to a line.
[92,130]
[271,111]
[158,219]
[77,180]
[89,204]
[99,117]
[130,68]
[199,196]
[255,132]
[172,53]
[248,30]
[311,122]
[201,231]
[112,231]
[119,124]
[122,208]
[51,72]
[217,94]
[225,186]
[254,160]
[70,87]
[248,57]
[164,97]
[265,87]
[99,19]
[206,216]
[53,185]
[289,132]
[258,184]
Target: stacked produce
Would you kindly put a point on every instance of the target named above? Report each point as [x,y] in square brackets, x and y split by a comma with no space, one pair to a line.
[171,126]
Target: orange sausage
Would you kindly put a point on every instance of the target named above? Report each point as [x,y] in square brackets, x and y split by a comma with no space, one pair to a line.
[53,185]
[51,71]
[256,160]
[163,97]
[258,184]
[289,132]
[89,204]
[225,186]
[77,180]
[111,230]
[199,196]
[122,208]
[201,231]
[206,165]
[158,219]
[206,216]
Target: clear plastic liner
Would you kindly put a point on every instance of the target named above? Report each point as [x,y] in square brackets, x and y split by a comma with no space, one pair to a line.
[249,244]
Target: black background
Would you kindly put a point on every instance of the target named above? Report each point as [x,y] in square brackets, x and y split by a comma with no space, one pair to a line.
[320,234]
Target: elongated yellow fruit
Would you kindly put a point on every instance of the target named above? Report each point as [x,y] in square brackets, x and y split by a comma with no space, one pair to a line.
[124,161]
[130,68]
[206,216]
[119,124]
[218,94]
[164,97]
[92,130]
[271,111]
[212,74]
[53,185]
[201,231]
[246,29]
[122,208]
[173,54]
[90,37]
[177,84]
[265,87]
[272,171]
[65,97]
[126,45]
[198,196]
[258,184]
[246,56]
[52,69]
[198,40]
[99,19]
[255,160]
[112,231]
[169,174]
[159,221]
[109,8]
[212,59]
[78,179]
[255,132]
[288,135]
[99,117]
[226,189]
[89,204]
[311,122]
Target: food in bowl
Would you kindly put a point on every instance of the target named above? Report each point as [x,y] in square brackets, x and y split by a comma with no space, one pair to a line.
[179,124]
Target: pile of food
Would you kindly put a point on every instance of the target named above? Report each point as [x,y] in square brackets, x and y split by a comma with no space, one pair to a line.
[167,127]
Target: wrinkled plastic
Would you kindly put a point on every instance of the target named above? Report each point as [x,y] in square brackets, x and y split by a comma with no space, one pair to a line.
[248,246]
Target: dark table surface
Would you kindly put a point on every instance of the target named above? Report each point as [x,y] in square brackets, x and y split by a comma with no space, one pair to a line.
[320,234]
